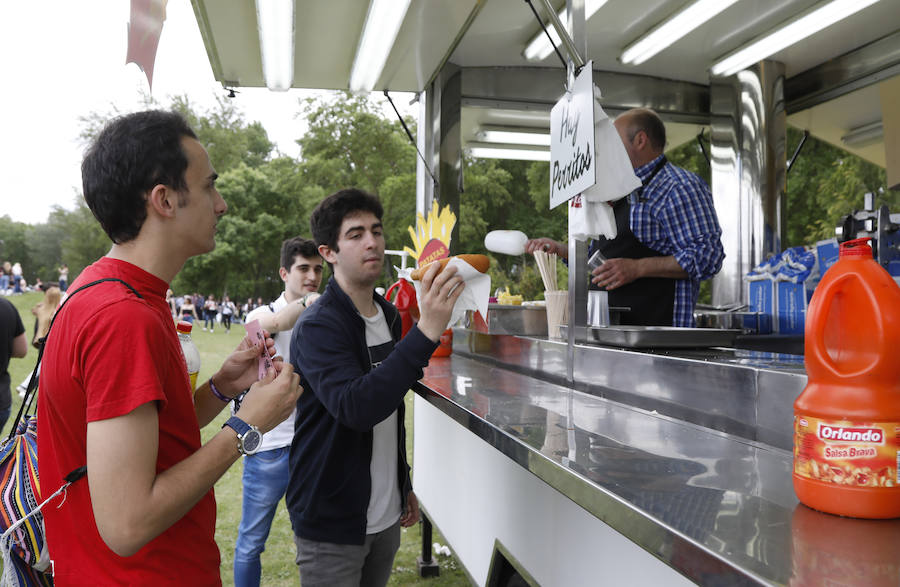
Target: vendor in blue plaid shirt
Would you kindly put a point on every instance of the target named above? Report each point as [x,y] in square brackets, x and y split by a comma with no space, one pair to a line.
[668,240]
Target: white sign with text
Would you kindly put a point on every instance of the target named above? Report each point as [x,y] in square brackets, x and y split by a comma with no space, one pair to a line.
[572,168]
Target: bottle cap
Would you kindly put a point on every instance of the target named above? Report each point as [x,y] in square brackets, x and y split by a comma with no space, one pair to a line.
[858,247]
[184,326]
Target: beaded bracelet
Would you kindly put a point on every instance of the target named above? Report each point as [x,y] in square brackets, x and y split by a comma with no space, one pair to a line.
[217,393]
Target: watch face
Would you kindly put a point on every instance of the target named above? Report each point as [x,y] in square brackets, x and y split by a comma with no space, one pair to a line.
[251,441]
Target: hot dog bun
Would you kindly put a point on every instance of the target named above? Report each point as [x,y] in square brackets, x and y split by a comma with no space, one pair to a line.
[479,262]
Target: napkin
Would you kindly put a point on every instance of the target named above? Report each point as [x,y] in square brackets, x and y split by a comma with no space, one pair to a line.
[615,176]
[589,220]
[474,296]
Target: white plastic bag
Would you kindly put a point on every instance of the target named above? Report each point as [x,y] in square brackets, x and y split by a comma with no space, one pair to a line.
[615,176]
[589,220]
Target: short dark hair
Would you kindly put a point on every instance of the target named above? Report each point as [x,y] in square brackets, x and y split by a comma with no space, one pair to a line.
[297,245]
[326,219]
[644,119]
[132,154]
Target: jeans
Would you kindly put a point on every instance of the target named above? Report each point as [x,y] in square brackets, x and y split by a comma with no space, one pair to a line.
[265,481]
[4,283]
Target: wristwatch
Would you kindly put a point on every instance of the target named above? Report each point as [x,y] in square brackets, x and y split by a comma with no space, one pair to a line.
[249,437]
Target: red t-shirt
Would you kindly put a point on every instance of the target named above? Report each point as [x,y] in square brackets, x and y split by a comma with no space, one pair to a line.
[108,353]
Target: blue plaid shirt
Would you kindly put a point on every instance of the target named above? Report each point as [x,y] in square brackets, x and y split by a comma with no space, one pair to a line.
[675,216]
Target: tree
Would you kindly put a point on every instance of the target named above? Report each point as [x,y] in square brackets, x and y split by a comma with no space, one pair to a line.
[825,184]
[349,144]
[14,246]
[227,136]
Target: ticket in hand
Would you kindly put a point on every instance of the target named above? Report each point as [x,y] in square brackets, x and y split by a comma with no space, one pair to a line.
[256,335]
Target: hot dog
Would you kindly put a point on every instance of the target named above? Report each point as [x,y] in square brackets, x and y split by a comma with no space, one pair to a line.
[479,262]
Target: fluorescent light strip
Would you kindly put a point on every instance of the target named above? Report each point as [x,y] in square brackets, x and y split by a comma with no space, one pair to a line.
[507,151]
[864,135]
[383,22]
[539,48]
[515,137]
[276,42]
[673,29]
[808,24]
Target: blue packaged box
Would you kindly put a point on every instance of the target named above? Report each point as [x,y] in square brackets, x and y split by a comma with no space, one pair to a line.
[790,301]
[827,252]
[761,296]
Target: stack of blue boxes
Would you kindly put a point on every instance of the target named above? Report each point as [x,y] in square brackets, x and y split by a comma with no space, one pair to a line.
[780,288]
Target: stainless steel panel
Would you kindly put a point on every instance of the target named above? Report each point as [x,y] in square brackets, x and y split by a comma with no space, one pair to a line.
[525,320]
[748,171]
[869,64]
[539,88]
[745,393]
[648,337]
[716,507]
[442,142]
[745,321]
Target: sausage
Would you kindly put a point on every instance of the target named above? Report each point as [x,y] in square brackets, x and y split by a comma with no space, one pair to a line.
[479,262]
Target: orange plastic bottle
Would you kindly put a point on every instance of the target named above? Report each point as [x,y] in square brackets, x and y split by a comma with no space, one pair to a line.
[847,420]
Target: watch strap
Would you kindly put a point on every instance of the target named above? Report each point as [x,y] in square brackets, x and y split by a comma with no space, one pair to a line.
[237,425]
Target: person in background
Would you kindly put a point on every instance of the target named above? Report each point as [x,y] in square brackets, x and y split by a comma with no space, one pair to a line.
[170,301]
[17,281]
[227,309]
[43,313]
[63,277]
[349,491]
[210,309]
[115,393]
[266,473]
[14,345]
[668,240]
[4,279]
[188,310]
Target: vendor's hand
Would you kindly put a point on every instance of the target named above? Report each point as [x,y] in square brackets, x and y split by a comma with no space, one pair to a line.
[271,399]
[411,514]
[439,292]
[241,369]
[615,273]
[548,245]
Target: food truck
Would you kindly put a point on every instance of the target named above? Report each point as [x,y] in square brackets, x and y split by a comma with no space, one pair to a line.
[644,455]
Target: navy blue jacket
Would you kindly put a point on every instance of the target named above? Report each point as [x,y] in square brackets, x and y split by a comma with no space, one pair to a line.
[344,398]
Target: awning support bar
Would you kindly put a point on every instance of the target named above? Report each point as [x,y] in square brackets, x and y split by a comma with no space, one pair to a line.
[567,42]
[797,151]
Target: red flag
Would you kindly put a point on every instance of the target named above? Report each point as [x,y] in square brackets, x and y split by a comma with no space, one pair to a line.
[144,29]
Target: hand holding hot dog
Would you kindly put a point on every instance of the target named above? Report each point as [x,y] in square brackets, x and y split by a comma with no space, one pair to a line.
[439,291]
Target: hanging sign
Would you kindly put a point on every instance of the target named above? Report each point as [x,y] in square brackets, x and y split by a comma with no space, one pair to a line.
[572,168]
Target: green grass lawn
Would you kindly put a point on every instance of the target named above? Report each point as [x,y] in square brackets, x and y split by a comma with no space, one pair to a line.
[278,559]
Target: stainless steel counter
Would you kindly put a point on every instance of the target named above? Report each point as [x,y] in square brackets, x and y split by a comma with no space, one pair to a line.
[715,504]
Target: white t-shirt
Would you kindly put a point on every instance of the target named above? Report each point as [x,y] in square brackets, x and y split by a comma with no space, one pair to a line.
[384,500]
[283,434]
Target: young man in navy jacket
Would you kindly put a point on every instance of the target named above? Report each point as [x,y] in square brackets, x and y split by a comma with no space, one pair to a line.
[349,490]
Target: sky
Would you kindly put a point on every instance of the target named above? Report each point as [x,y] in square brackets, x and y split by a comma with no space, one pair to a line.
[64,59]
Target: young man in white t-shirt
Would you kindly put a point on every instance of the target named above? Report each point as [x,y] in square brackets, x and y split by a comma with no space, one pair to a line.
[266,472]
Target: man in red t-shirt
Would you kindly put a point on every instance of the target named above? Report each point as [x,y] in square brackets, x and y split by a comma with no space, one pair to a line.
[114,391]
